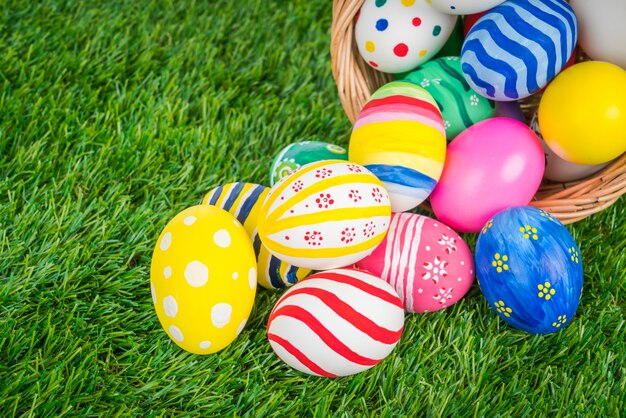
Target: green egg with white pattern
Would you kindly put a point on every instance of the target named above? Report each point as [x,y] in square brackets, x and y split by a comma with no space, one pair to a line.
[460,106]
[302,153]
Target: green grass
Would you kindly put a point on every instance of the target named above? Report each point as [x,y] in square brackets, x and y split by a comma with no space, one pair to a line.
[113,118]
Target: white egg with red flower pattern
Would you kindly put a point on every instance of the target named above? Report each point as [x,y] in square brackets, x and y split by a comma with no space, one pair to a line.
[325,215]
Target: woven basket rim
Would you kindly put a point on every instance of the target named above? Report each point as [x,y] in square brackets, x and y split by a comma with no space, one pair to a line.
[356,81]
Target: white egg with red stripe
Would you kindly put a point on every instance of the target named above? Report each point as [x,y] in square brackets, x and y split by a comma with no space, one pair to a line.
[336,323]
[325,215]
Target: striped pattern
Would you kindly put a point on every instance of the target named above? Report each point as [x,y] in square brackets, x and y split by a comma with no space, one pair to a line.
[336,323]
[516,48]
[244,201]
[460,106]
[325,215]
[399,135]
[426,262]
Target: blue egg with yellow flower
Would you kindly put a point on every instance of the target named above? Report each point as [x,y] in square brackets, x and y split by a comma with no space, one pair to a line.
[530,270]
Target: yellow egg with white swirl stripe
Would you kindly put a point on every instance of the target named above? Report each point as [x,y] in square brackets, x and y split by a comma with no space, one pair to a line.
[325,215]
[203,279]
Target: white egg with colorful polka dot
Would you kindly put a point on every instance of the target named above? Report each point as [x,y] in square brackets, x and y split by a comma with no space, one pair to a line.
[396,36]
[464,7]
[203,279]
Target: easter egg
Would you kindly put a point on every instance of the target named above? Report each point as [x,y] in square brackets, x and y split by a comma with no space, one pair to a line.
[529,269]
[302,153]
[426,262]
[602,29]
[244,200]
[336,323]
[558,169]
[460,106]
[203,279]
[464,7]
[325,215]
[400,137]
[582,113]
[397,35]
[492,165]
[517,47]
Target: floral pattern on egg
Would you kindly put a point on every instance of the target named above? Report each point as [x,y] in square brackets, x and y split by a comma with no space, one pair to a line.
[428,264]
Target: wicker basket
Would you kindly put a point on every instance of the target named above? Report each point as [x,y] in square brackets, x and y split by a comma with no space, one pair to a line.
[569,202]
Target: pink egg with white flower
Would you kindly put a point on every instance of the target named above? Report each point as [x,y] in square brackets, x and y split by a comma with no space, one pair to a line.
[428,264]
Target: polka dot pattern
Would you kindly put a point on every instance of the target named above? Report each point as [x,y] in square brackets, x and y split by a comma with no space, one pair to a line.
[176,333]
[196,262]
[382,24]
[220,314]
[170,306]
[241,326]
[401,50]
[153,292]
[391,36]
[196,274]
[252,278]
[166,241]
[222,238]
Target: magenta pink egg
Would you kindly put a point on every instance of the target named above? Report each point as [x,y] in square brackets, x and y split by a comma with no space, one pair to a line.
[427,263]
[493,165]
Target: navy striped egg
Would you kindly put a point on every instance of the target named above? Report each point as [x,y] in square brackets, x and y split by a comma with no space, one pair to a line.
[529,269]
[516,48]
[244,201]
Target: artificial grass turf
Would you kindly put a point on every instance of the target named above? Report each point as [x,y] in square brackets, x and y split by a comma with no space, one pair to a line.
[116,116]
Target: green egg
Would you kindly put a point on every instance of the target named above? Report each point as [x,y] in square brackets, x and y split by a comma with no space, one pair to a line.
[301,153]
[460,106]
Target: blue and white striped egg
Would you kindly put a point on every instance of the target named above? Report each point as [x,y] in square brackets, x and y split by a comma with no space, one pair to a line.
[530,270]
[244,200]
[517,47]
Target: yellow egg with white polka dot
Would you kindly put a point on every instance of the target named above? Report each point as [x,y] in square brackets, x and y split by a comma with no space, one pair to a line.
[203,279]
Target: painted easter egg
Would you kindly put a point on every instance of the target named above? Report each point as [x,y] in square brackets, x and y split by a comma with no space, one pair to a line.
[602,29]
[426,262]
[397,35]
[244,200]
[460,106]
[529,269]
[464,7]
[301,153]
[492,165]
[517,47]
[400,137]
[336,323]
[325,215]
[203,279]
[582,113]
[558,169]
